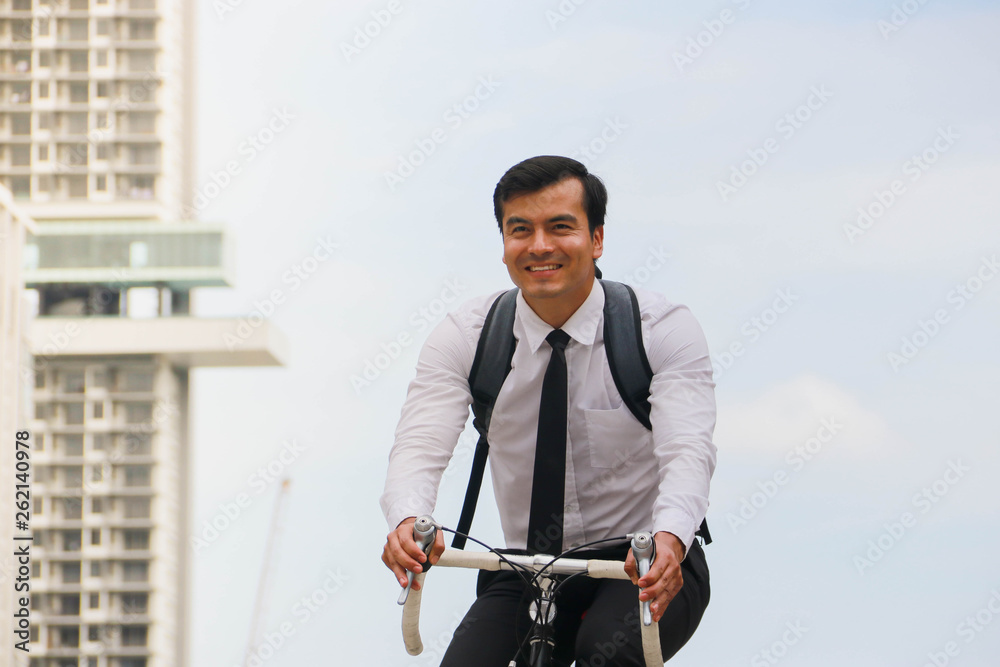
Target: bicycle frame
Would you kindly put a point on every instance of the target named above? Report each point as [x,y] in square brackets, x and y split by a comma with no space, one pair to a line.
[543,567]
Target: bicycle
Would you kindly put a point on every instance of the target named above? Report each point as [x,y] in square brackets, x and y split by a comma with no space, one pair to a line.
[541,569]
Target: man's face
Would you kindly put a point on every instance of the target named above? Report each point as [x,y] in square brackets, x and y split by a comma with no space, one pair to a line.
[547,246]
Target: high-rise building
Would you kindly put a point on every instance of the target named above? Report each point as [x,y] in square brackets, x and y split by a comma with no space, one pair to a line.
[96,144]
[14,224]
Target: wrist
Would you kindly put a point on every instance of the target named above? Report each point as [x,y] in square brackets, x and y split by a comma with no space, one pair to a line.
[672,542]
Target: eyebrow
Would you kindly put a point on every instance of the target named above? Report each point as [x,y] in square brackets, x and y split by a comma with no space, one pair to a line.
[564,217]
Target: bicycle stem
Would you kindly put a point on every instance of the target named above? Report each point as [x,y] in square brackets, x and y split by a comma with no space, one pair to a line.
[643,550]
[424,531]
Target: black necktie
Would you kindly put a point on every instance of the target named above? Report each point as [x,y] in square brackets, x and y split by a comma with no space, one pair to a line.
[548,485]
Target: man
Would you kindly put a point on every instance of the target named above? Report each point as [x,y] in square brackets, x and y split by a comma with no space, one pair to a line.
[619,477]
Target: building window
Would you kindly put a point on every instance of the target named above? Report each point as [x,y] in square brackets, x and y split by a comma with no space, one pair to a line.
[93,633]
[72,506]
[137,508]
[138,413]
[70,444]
[68,636]
[78,30]
[41,410]
[73,479]
[135,603]
[136,540]
[43,90]
[144,155]
[95,568]
[139,123]
[99,377]
[137,444]
[43,27]
[20,123]
[137,380]
[79,92]
[97,474]
[137,475]
[102,183]
[20,186]
[72,540]
[71,572]
[33,633]
[133,635]
[44,59]
[98,407]
[95,536]
[21,30]
[135,570]
[142,29]
[102,27]
[45,121]
[39,379]
[79,61]
[77,186]
[102,151]
[95,601]
[43,153]
[99,441]
[73,382]
[102,88]
[96,505]
[20,155]
[69,605]
[39,505]
[73,413]
[77,123]
[102,58]
[36,570]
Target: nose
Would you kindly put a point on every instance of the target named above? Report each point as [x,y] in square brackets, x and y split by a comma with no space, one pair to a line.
[541,242]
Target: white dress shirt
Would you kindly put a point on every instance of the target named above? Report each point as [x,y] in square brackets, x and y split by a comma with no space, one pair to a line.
[620,477]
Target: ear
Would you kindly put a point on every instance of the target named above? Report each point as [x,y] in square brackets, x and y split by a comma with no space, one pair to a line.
[598,241]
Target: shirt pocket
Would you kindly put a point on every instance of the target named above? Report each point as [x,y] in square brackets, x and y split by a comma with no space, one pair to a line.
[615,437]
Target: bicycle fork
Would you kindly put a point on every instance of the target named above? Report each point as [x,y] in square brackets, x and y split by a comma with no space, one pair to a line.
[543,613]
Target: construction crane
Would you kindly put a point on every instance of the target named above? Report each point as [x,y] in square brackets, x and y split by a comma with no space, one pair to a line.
[272,539]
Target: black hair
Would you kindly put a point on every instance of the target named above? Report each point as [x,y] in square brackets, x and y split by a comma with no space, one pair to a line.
[539,172]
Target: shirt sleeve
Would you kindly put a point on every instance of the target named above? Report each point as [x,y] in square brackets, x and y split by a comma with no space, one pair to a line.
[433,416]
[682,400]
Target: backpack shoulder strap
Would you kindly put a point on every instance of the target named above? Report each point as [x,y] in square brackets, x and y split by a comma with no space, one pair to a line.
[489,370]
[624,347]
[627,357]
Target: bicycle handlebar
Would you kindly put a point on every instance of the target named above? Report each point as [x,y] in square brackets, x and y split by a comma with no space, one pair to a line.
[597,569]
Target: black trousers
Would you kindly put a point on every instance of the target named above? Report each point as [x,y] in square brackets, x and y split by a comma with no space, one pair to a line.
[596,624]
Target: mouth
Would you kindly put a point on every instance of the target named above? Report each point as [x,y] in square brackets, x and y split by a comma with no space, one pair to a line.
[543,267]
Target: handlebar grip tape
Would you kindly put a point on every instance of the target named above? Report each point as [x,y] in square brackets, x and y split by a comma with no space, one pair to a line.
[411,618]
[650,642]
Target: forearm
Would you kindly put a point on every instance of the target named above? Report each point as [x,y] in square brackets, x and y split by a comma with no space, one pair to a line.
[433,416]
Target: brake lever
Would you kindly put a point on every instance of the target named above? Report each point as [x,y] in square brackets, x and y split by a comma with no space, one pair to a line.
[424,531]
[643,550]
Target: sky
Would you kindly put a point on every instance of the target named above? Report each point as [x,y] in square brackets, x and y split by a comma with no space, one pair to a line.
[815,181]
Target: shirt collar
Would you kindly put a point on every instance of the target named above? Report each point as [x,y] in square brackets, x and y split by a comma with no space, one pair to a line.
[581,326]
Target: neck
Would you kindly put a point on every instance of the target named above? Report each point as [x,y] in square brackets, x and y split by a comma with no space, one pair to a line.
[556,311]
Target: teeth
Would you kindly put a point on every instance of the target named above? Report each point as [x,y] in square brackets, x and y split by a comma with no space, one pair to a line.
[548,267]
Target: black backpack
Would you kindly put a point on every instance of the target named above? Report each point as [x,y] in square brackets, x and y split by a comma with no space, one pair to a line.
[626,357]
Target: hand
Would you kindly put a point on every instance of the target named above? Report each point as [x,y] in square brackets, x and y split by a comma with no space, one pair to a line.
[401,552]
[664,579]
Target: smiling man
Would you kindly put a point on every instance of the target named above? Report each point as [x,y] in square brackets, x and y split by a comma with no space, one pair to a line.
[571,463]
